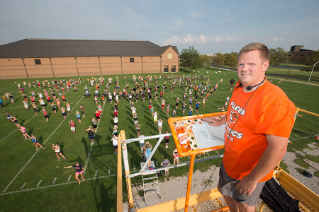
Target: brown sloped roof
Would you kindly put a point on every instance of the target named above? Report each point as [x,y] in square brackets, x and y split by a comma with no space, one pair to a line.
[164,48]
[78,48]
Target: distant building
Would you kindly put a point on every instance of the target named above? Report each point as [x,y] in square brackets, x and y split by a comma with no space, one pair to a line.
[43,58]
[300,54]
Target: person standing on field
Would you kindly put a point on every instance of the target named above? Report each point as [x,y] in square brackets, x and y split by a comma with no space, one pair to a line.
[72,125]
[78,171]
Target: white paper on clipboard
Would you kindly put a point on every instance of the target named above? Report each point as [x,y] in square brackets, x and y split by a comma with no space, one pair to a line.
[208,136]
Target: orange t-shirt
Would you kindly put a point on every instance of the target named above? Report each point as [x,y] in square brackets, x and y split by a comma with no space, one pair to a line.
[268,112]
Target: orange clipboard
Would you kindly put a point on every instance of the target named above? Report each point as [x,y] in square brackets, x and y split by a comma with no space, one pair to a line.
[180,126]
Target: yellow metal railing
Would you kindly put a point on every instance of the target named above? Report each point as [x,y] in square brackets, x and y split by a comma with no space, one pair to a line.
[309,201]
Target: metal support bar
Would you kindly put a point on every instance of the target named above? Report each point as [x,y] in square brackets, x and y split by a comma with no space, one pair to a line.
[152,153]
[189,184]
[173,166]
[147,138]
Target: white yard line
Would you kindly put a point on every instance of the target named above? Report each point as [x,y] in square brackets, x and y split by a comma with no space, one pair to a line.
[48,186]
[9,135]
[38,150]
[54,180]
[88,158]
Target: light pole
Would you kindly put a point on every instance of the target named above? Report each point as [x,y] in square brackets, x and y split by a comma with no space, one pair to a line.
[312,70]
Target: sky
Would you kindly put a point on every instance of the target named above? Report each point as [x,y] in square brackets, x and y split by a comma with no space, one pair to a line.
[210,26]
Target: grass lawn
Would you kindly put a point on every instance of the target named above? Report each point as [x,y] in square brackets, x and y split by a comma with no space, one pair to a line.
[293,73]
[36,180]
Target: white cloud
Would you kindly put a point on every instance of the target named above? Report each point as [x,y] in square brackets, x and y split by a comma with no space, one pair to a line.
[274,39]
[190,39]
[171,40]
[218,40]
[202,39]
[231,39]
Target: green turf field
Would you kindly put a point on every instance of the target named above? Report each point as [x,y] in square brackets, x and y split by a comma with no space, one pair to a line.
[36,181]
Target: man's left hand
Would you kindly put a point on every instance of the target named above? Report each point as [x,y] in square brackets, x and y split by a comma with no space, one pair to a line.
[246,186]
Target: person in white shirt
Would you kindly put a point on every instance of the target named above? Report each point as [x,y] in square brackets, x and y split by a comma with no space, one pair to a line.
[115,143]
[155,117]
[133,111]
[160,124]
[116,120]
[141,142]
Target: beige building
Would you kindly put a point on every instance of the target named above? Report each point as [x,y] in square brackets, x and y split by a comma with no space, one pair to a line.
[43,58]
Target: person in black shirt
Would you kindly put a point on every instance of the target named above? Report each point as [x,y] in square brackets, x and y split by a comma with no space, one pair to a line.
[78,170]
[91,134]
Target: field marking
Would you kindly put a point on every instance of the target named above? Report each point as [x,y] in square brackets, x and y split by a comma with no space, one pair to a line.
[39,183]
[88,158]
[60,184]
[54,180]
[96,173]
[9,135]
[69,178]
[37,151]
[109,171]
[307,83]
[23,185]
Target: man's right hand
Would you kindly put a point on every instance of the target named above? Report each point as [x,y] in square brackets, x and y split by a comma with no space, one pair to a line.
[215,122]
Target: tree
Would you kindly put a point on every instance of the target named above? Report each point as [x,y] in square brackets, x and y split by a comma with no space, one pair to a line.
[231,60]
[219,59]
[315,58]
[207,60]
[306,61]
[190,58]
[278,56]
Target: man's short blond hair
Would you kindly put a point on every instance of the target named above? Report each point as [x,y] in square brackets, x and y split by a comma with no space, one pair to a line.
[264,52]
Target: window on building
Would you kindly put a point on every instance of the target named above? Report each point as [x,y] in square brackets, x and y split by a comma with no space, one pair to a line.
[173,69]
[37,61]
[165,68]
[309,55]
[132,59]
[301,55]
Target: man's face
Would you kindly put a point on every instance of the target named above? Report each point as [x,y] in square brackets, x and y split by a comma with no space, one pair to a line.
[251,68]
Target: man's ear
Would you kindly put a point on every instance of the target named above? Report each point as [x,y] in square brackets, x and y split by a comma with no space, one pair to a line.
[265,65]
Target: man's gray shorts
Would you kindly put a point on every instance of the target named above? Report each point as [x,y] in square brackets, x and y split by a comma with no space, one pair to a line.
[227,187]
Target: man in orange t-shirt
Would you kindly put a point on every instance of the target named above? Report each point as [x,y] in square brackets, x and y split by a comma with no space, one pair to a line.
[258,124]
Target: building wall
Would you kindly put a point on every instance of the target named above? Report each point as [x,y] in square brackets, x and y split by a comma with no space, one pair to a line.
[110,65]
[151,64]
[64,66]
[299,56]
[38,71]
[12,68]
[170,63]
[15,68]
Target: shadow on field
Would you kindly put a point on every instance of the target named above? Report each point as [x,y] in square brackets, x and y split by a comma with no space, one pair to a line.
[104,194]
[79,159]
[164,153]
[299,132]
[30,131]
[151,124]
[40,139]
[85,144]
[97,139]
